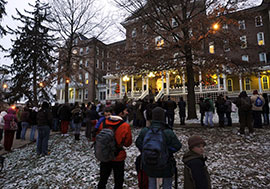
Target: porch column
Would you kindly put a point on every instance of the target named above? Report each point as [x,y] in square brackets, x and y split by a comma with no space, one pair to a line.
[132,86]
[81,92]
[184,81]
[147,84]
[224,82]
[240,82]
[167,82]
[260,82]
[121,87]
[60,94]
[162,79]
[218,82]
[74,95]
[110,88]
[143,81]
[200,80]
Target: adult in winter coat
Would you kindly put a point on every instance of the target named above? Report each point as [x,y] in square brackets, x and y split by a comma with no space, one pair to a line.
[2,124]
[209,111]
[91,116]
[182,110]
[170,106]
[64,113]
[55,117]
[77,118]
[8,131]
[244,105]
[173,145]
[266,110]
[123,138]
[44,121]
[196,175]
[228,111]
[221,108]
[257,107]
[25,119]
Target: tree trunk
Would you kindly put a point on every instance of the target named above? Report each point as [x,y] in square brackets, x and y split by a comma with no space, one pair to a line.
[66,92]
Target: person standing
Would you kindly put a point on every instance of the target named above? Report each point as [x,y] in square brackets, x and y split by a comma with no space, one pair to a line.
[9,131]
[168,146]
[2,124]
[202,110]
[182,110]
[228,105]
[55,117]
[266,110]
[44,122]
[209,111]
[123,138]
[91,120]
[19,123]
[33,118]
[170,106]
[25,118]
[221,108]
[65,117]
[196,175]
[257,102]
[77,119]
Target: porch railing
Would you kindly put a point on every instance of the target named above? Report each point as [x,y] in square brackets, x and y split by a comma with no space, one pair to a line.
[161,92]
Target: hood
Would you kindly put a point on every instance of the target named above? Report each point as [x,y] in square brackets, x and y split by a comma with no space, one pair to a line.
[11,111]
[115,117]
[3,113]
[192,155]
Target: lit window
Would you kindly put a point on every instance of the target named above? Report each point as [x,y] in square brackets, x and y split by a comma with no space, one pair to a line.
[174,23]
[230,84]
[226,46]
[86,81]
[243,40]
[97,64]
[260,38]
[258,21]
[117,65]
[159,42]
[262,57]
[86,93]
[245,58]
[265,82]
[133,33]
[247,84]
[242,24]
[81,51]
[211,48]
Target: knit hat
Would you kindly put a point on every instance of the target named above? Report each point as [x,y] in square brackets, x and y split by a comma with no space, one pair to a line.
[158,114]
[194,141]
[119,107]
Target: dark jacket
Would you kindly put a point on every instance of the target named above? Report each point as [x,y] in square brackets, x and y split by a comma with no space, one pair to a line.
[33,117]
[173,144]
[64,113]
[228,105]
[196,175]
[242,107]
[44,117]
[55,111]
[25,116]
[220,105]
[182,108]
[170,105]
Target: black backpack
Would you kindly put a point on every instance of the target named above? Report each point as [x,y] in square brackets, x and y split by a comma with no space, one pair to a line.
[207,105]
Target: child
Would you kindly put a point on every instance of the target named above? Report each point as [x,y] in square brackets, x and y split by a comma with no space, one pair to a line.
[196,175]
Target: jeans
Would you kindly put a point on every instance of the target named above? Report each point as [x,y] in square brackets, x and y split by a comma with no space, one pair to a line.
[33,132]
[72,125]
[170,116]
[265,119]
[166,183]
[43,138]
[209,118]
[77,128]
[257,118]
[221,119]
[55,124]
[24,128]
[229,118]
[105,172]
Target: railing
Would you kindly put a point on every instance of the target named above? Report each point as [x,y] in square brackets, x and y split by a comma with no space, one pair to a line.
[161,92]
[144,94]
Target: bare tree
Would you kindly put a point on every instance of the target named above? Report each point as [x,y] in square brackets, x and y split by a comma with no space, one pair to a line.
[75,18]
[185,29]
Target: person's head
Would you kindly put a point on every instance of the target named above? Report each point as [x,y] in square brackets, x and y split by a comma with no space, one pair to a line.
[264,95]
[243,94]
[196,144]
[227,98]
[169,97]
[181,98]
[201,99]
[107,112]
[158,114]
[255,92]
[120,109]
[45,105]
[209,96]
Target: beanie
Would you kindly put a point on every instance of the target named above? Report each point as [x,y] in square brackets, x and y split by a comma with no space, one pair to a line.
[158,114]
[119,107]
[194,141]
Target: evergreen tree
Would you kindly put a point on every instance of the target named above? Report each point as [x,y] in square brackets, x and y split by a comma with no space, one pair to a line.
[33,63]
[2,13]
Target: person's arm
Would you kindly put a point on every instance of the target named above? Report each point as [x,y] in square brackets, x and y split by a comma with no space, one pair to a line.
[198,173]
[139,140]
[174,144]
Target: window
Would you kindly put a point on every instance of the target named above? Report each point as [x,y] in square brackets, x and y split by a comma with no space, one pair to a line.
[86,93]
[226,46]
[262,57]
[242,24]
[245,58]
[175,57]
[230,84]
[87,50]
[174,23]
[81,63]
[260,38]
[97,49]
[211,48]
[243,40]
[97,64]
[225,27]
[265,82]
[80,76]
[86,75]
[159,42]
[144,28]
[80,94]
[258,21]
[247,84]
[103,54]
[86,63]
[108,66]
[102,65]
[190,33]
[81,51]
[145,46]
[117,65]
[133,33]
[76,41]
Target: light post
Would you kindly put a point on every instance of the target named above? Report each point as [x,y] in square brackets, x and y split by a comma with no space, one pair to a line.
[126,79]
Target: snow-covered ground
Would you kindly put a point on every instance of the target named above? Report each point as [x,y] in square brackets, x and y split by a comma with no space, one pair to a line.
[233,162]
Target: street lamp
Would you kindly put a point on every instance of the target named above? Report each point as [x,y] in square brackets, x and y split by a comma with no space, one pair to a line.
[5,86]
[216,26]
[67,81]
[41,84]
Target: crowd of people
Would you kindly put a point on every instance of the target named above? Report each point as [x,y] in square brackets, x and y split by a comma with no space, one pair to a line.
[156,141]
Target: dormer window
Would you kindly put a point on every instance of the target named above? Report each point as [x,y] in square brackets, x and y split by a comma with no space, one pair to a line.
[258,21]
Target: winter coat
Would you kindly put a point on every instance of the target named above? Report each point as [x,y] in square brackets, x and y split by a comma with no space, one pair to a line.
[196,175]
[44,117]
[240,104]
[11,114]
[25,116]
[33,117]
[173,144]
[212,108]
[2,122]
[202,106]
[55,111]
[266,106]
[182,108]
[228,105]
[122,135]
[170,105]
[220,105]
[253,101]
[91,115]
[64,113]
